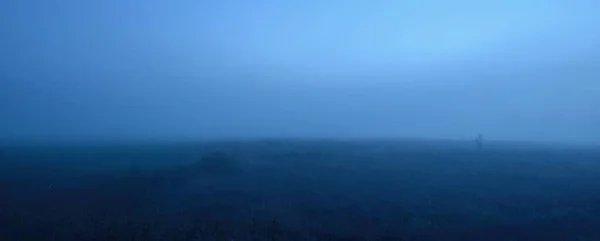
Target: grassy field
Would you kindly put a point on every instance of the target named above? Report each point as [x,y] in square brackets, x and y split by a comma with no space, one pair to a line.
[300,190]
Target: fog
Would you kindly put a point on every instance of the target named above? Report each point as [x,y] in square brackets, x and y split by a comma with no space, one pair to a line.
[182,69]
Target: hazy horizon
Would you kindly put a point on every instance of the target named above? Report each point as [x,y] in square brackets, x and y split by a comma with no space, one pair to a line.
[188,70]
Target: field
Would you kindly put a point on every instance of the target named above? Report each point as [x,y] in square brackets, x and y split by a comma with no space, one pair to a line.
[299,190]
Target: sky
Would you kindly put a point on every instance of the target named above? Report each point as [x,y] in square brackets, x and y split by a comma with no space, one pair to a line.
[184,69]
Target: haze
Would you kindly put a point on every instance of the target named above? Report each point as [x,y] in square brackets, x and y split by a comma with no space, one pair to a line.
[183,69]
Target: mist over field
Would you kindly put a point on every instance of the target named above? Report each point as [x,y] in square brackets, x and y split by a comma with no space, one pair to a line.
[184,69]
[299,120]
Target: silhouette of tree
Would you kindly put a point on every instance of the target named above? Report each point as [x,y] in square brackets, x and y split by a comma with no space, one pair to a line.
[479,141]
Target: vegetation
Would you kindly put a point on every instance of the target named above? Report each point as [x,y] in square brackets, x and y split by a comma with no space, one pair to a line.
[299,191]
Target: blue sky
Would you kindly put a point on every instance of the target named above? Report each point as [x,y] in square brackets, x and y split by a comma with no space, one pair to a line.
[513,70]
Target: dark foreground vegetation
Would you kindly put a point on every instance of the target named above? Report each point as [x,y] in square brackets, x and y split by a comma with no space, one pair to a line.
[299,190]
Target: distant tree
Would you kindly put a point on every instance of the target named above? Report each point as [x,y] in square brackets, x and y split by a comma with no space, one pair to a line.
[479,141]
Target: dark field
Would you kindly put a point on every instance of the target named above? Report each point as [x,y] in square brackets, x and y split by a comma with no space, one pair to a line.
[299,190]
